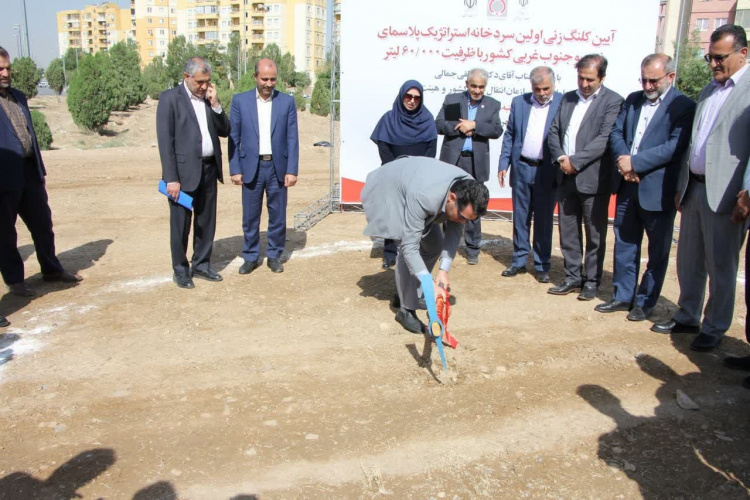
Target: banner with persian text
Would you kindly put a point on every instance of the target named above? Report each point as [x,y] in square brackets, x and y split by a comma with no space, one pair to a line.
[437,42]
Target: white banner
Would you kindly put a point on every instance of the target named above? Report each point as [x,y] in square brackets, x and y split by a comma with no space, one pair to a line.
[437,42]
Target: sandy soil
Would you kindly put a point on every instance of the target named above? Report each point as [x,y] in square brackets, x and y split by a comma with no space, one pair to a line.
[301,385]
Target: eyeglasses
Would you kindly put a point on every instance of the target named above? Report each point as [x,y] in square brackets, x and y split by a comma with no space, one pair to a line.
[651,81]
[461,217]
[718,59]
[412,97]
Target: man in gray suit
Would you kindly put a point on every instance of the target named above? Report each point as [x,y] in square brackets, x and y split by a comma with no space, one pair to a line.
[189,121]
[711,179]
[467,121]
[578,140]
[422,204]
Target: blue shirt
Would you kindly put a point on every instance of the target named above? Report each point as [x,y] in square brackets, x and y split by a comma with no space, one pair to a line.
[468,144]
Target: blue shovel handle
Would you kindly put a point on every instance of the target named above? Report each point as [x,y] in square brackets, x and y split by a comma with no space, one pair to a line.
[436,327]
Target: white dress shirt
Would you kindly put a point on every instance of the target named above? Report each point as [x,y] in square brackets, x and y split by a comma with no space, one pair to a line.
[264,123]
[707,119]
[533,141]
[583,104]
[199,105]
[648,110]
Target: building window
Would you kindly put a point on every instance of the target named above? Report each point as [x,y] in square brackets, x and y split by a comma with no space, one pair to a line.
[148,10]
[150,32]
[150,54]
[150,42]
[701,24]
[161,32]
[150,20]
[720,21]
[161,21]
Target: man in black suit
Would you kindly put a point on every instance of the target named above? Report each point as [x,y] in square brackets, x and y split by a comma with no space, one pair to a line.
[189,121]
[23,192]
[578,140]
[468,120]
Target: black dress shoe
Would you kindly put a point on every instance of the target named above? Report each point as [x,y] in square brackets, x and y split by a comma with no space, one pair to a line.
[737,363]
[4,321]
[674,326]
[275,265]
[542,277]
[588,292]
[705,343]
[564,288]
[512,271]
[408,319]
[639,314]
[183,281]
[248,266]
[208,275]
[612,306]
[62,277]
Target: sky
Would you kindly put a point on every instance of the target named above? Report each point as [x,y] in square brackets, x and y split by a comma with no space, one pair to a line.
[42,17]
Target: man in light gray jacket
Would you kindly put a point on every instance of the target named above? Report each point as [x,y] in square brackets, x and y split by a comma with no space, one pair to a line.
[422,204]
[711,232]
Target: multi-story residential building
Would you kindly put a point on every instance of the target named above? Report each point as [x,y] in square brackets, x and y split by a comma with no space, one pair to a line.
[702,16]
[742,17]
[94,28]
[337,20]
[214,21]
[155,24]
[298,27]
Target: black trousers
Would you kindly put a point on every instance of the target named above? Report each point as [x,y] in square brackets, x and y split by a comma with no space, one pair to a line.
[31,204]
[203,218]
[473,228]
[581,214]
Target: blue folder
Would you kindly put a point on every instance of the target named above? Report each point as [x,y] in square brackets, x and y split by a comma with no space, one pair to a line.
[184,199]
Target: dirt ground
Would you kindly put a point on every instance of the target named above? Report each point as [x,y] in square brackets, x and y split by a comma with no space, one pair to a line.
[301,385]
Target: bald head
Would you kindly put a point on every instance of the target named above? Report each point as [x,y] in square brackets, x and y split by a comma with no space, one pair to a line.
[265,77]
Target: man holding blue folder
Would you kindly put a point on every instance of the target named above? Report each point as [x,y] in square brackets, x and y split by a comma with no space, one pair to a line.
[189,121]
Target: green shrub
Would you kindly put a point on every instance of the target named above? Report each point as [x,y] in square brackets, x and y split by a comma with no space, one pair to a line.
[43,132]
[90,96]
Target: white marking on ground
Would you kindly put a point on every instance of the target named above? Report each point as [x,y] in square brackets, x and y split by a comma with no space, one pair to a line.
[138,285]
[332,248]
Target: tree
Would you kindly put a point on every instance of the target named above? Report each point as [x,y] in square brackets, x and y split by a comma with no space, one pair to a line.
[26,76]
[56,76]
[272,52]
[234,56]
[178,52]
[155,78]
[43,133]
[299,101]
[320,103]
[90,96]
[212,53]
[71,60]
[299,80]
[127,84]
[692,72]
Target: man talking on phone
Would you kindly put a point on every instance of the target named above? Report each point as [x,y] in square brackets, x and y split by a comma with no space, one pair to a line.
[189,122]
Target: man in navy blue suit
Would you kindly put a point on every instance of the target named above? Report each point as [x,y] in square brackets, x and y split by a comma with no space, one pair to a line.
[263,158]
[532,175]
[648,142]
[23,192]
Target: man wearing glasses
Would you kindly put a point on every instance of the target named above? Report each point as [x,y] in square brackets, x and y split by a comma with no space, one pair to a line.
[467,121]
[648,142]
[422,204]
[711,179]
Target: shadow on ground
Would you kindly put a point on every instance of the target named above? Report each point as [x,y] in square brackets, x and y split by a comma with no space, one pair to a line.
[678,452]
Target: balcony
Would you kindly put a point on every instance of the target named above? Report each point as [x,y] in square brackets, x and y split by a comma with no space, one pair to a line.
[235,13]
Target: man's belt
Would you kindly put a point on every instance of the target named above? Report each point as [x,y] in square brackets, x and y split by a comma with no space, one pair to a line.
[266,157]
[208,159]
[467,154]
[530,162]
[698,178]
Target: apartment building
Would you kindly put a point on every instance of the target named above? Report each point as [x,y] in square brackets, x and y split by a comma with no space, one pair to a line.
[298,27]
[702,16]
[155,24]
[214,21]
[94,28]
